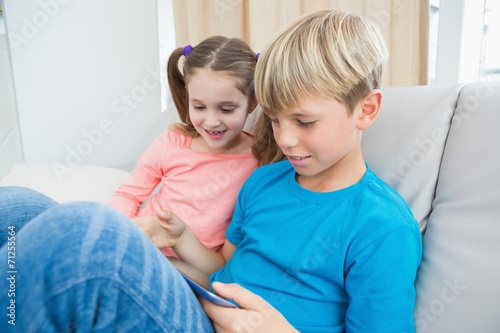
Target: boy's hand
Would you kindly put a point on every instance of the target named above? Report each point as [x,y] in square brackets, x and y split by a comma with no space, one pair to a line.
[255,315]
[164,229]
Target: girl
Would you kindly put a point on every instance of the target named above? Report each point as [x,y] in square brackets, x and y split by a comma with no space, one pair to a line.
[203,160]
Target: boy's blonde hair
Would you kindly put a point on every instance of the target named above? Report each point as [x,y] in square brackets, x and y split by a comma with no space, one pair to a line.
[323,54]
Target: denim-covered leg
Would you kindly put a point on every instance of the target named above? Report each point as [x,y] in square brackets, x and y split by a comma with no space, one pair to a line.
[18,206]
[85,267]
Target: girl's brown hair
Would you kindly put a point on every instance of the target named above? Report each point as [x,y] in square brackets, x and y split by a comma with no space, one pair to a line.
[232,56]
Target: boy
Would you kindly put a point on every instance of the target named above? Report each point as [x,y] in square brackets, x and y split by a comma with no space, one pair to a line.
[318,236]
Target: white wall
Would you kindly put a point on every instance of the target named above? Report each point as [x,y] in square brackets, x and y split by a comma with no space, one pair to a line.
[87,79]
[166,41]
[10,140]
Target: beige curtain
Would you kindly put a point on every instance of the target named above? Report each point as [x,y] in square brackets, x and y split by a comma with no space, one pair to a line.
[404,24]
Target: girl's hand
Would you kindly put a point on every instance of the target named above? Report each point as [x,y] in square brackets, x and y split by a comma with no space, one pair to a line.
[145,223]
[255,315]
[164,229]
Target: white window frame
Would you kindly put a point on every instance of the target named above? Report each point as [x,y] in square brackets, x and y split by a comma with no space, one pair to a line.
[459,41]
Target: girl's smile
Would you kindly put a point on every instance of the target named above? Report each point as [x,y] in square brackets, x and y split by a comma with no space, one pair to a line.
[218,111]
[215,135]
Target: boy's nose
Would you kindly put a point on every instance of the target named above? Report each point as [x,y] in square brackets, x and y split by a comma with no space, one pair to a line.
[285,138]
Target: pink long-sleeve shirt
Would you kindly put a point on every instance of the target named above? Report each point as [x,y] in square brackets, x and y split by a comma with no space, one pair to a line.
[201,188]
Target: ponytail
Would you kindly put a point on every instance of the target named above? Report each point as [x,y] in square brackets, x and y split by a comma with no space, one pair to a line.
[177,85]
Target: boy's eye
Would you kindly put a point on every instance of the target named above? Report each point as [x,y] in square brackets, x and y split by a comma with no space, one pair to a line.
[305,123]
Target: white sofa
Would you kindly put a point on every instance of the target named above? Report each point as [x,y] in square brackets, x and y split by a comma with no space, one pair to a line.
[439,147]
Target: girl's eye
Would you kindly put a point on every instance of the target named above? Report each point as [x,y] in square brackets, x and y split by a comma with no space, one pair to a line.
[305,123]
[198,107]
[227,110]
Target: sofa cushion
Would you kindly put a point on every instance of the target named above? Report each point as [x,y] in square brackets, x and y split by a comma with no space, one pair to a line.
[65,184]
[458,284]
[404,146]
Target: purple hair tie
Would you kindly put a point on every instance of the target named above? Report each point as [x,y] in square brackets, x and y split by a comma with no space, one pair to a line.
[257,56]
[186,50]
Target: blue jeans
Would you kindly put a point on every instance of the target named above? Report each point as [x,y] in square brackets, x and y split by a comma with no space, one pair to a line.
[85,267]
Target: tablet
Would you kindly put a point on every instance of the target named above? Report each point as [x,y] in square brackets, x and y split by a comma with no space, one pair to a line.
[208,295]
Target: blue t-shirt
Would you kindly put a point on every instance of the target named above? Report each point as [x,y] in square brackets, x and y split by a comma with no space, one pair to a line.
[328,261]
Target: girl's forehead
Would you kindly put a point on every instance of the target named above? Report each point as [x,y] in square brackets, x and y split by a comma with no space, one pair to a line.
[208,81]
[207,76]
[208,73]
[210,88]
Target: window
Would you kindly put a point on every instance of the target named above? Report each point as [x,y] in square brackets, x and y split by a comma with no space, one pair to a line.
[489,68]
[2,23]
[463,41]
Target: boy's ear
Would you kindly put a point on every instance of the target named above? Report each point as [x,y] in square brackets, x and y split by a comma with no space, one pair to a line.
[370,107]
